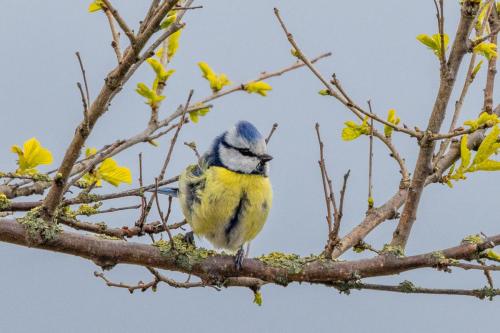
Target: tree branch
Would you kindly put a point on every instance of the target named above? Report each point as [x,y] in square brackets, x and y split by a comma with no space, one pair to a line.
[423,167]
[199,262]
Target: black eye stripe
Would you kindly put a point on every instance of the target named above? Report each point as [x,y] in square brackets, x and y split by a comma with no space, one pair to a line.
[242,151]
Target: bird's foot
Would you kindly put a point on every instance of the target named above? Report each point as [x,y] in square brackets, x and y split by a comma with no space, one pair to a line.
[238,259]
[189,238]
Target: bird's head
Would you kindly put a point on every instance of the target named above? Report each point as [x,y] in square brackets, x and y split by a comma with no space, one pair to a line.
[243,149]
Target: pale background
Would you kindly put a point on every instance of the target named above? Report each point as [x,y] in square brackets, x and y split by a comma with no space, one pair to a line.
[376,56]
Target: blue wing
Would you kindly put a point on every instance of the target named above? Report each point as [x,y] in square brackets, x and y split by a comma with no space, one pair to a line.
[171,191]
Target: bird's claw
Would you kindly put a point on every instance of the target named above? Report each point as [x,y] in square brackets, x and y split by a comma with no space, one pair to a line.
[238,259]
[189,238]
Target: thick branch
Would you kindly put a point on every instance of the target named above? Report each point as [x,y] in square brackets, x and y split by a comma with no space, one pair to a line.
[114,80]
[423,167]
[108,253]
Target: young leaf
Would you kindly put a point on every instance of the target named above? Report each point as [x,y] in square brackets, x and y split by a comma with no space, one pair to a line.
[465,156]
[393,119]
[434,42]
[114,174]
[488,50]
[476,69]
[161,73]
[353,131]
[173,44]
[96,6]
[259,87]
[168,21]
[152,97]
[485,119]
[31,155]
[216,81]
[488,147]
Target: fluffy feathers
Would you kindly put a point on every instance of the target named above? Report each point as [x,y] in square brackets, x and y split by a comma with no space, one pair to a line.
[227,198]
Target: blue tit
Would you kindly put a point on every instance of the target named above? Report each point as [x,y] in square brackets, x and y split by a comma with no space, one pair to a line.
[226,198]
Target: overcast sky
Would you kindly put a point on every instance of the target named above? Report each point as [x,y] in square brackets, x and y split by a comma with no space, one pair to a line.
[375,55]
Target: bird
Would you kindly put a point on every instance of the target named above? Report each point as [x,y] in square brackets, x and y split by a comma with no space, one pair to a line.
[227,196]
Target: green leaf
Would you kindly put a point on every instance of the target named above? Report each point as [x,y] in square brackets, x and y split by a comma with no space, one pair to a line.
[488,50]
[476,69]
[427,41]
[168,21]
[488,165]
[257,298]
[393,119]
[488,147]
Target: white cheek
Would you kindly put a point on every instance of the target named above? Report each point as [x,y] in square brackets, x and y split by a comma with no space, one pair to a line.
[233,160]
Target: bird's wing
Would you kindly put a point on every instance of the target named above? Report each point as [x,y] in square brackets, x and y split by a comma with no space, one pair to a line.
[192,183]
[171,191]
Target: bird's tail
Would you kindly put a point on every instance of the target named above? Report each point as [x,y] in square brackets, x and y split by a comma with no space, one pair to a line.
[171,191]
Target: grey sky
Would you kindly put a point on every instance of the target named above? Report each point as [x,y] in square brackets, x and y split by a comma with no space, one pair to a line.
[375,55]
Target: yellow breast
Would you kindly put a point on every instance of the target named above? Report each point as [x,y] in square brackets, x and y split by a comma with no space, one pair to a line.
[228,208]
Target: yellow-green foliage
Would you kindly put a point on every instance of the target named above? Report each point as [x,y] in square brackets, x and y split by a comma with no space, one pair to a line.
[173,44]
[258,87]
[476,69]
[216,81]
[393,119]
[487,49]
[95,6]
[434,42]
[196,114]
[491,254]
[484,120]
[30,156]
[108,170]
[257,298]
[353,130]
[168,20]
[152,98]
[481,162]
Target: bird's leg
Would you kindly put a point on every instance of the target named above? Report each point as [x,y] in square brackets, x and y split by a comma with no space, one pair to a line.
[189,238]
[238,259]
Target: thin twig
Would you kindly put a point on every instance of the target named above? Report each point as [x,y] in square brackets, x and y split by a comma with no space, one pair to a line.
[173,283]
[160,213]
[131,288]
[370,162]
[115,35]
[494,21]
[408,288]
[121,22]
[192,145]
[342,196]
[82,69]
[269,136]
[117,209]
[187,8]
[358,111]
[325,179]
[141,221]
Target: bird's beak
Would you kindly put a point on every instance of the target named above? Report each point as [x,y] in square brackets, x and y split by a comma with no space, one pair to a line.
[265,158]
